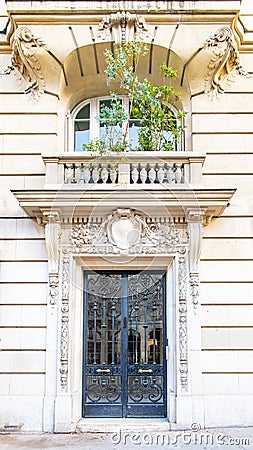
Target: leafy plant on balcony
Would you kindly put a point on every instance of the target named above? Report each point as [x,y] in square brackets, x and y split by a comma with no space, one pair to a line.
[159,128]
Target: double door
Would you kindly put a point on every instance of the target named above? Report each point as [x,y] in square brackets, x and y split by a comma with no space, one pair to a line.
[124,345]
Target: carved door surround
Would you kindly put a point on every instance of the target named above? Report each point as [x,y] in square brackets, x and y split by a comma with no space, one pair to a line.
[163,234]
[125,236]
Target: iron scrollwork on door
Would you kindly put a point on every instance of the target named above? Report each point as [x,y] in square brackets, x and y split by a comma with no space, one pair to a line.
[103,388]
[145,388]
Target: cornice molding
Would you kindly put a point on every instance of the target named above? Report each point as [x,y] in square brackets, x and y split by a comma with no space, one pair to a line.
[73,204]
[125,5]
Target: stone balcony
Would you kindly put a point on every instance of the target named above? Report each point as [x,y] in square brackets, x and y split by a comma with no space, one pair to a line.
[78,185]
[133,170]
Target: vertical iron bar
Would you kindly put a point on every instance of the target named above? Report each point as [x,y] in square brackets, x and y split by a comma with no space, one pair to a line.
[95,332]
[124,360]
[136,329]
[154,324]
[145,327]
[103,334]
[113,329]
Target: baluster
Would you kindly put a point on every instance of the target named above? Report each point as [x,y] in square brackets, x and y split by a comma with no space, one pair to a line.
[143,173]
[170,173]
[135,173]
[95,174]
[152,173]
[82,174]
[78,173]
[160,172]
[178,173]
[86,174]
[113,174]
[69,173]
[104,173]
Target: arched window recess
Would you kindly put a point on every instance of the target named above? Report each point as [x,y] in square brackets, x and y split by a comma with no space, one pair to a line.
[113,123]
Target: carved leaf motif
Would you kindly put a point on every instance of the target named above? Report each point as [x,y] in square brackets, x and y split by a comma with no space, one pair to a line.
[25,62]
[225,62]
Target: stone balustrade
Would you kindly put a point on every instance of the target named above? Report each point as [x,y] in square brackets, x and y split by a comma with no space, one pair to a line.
[136,168]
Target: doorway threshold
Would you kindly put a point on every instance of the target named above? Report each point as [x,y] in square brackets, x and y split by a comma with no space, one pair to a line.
[112,425]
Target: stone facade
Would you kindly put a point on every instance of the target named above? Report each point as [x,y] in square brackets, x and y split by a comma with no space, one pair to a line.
[196,224]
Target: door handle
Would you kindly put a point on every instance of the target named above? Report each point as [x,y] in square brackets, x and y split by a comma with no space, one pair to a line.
[145,371]
[103,370]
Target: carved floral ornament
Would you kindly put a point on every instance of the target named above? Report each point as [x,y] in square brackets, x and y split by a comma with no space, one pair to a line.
[127,231]
[122,27]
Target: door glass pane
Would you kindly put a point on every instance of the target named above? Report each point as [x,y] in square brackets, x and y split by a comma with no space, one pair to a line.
[103,356]
[104,319]
[145,338]
[145,320]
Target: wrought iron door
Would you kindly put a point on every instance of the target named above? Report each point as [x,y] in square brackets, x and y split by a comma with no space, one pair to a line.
[124,345]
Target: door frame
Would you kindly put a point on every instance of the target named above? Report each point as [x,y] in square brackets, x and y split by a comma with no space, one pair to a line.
[125,409]
[167,263]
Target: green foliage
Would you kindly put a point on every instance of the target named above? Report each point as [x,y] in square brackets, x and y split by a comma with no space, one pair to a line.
[159,127]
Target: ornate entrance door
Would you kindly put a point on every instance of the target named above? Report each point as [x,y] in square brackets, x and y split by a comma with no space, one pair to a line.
[124,345]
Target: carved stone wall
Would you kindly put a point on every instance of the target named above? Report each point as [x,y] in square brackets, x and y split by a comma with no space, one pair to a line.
[64,340]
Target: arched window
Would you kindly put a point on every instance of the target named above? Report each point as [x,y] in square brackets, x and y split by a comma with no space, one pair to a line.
[87,126]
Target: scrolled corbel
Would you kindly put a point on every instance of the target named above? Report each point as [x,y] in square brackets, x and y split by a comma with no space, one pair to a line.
[195,224]
[52,234]
[225,62]
[24,61]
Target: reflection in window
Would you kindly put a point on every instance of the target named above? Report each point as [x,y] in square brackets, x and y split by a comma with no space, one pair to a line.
[82,127]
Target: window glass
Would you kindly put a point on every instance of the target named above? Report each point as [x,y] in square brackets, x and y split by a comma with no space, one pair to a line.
[88,127]
[134,124]
[82,127]
[115,130]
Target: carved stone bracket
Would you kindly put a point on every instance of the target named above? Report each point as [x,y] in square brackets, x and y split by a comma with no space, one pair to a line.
[64,338]
[53,288]
[194,288]
[52,234]
[126,231]
[195,220]
[123,27]
[225,63]
[25,63]
[183,341]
